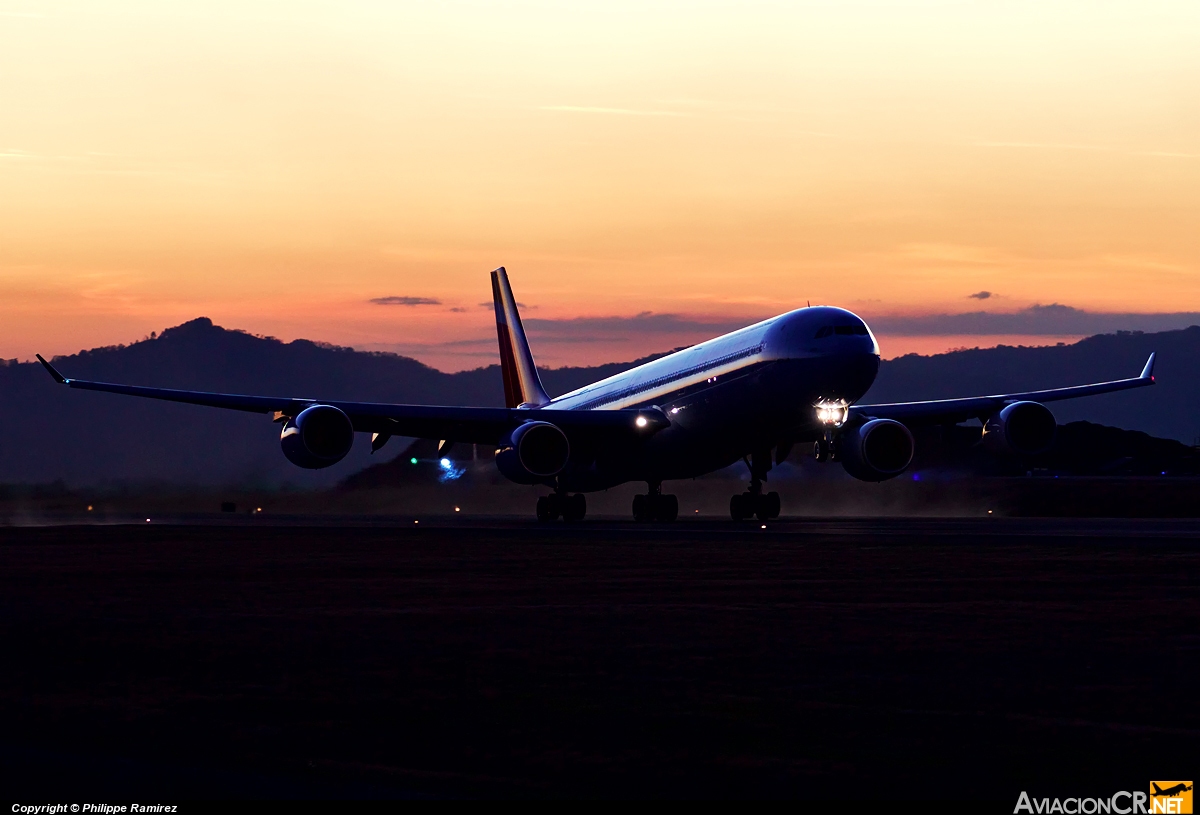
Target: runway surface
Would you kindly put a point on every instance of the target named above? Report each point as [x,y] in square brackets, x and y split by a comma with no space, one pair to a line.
[837,659]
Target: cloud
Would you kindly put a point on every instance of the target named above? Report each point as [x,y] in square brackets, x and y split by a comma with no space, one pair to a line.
[1092,147]
[401,300]
[1052,320]
[610,111]
[981,295]
[647,324]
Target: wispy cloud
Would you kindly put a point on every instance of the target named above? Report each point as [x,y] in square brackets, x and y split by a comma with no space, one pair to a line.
[611,111]
[646,325]
[1051,320]
[1098,148]
[404,300]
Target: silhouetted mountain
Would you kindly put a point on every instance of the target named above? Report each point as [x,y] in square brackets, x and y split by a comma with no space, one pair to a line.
[87,438]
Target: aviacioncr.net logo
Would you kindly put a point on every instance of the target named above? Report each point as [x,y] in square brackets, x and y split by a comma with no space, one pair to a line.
[1167,797]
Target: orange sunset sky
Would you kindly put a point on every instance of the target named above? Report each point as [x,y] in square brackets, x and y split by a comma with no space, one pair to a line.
[279,166]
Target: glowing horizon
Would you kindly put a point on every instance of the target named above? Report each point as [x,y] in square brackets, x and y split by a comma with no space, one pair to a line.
[278,167]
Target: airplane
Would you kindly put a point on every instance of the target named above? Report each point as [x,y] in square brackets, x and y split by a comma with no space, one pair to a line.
[749,395]
[1170,792]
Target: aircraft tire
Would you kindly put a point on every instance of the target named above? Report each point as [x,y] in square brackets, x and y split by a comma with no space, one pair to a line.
[737,507]
[668,508]
[641,508]
[575,507]
[547,508]
[821,451]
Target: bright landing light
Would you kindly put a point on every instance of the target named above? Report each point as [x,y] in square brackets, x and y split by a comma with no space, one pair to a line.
[446,464]
[831,413]
[640,421]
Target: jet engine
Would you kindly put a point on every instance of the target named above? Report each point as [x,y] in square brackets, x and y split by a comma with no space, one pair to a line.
[876,450]
[1022,429]
[317,437]
[533,452]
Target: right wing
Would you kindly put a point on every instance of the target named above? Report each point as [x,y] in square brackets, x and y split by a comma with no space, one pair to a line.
[953,411]
[469,425]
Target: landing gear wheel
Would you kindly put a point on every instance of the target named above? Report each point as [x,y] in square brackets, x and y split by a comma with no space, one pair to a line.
[574,508]
[548,508]
[763,506]
[822,450]
[668,508]
[641,508]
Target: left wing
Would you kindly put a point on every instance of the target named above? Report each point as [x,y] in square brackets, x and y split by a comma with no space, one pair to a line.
[953,411]
[469,425]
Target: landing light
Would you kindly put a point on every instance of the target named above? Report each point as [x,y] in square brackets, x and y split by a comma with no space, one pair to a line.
[640,421]
[446,464]
[831,413]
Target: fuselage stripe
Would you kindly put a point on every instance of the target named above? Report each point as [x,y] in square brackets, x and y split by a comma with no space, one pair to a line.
[644,388]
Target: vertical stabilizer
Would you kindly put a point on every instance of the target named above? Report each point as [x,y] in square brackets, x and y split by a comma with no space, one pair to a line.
[521,383]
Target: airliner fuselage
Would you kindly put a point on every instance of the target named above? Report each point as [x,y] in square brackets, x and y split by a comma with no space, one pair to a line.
[729,396]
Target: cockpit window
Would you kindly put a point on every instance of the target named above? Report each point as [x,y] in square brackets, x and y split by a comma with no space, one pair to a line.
[857,329]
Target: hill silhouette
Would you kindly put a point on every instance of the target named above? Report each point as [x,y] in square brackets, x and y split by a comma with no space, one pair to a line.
[95,439]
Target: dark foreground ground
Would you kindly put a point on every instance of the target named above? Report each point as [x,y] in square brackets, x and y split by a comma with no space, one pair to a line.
[877,659]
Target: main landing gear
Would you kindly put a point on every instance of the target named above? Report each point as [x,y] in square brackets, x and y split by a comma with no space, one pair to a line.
[572,508]
[654,506]
[754,502]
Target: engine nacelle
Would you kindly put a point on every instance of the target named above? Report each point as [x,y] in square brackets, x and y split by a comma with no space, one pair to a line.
[533,452]
[876,450]
[317,437]
[1021,429]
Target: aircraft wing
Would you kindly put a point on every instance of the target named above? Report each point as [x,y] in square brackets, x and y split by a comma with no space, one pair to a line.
[953,411]
[469,425]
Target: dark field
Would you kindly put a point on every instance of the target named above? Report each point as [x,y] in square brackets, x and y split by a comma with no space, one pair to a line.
[884,659]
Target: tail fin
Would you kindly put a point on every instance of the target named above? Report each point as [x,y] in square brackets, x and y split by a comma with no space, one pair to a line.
[521,383]
[1157,789]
